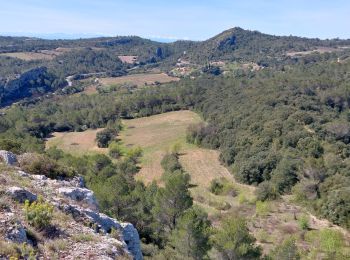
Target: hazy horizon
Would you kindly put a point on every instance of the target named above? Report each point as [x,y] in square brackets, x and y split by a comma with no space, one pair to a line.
[168,21]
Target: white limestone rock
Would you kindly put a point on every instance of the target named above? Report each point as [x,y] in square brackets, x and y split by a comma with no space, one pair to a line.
[8,158]
[79,194]
[20,194]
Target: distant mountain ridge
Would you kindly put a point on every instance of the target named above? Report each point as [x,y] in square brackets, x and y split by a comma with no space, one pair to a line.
[101,54]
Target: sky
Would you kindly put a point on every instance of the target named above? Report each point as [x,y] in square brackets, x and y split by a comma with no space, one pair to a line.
[170,20]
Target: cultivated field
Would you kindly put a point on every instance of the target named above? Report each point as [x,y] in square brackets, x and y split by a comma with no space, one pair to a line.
[76,143]
[139,79]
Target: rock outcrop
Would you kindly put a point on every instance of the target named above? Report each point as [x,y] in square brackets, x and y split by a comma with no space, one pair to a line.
[20,194]
[8,158]
[16,233]
[79,194]
[132,239]
[110,239]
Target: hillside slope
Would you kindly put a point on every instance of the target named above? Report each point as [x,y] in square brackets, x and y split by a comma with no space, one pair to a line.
[77,229]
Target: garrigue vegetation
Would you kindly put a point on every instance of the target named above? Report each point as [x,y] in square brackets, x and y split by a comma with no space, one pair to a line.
[284,129]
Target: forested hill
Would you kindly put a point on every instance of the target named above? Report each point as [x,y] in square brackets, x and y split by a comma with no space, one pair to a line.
[231,44]
[21,57]
[240,44]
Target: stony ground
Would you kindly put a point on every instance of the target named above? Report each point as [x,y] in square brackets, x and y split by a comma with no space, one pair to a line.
[77,230]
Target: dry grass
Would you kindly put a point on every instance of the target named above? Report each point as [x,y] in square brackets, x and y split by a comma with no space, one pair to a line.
[90,90]
[155,135]
[27,56]
[77,143]
[204,166]
[139,79]
[128,59]
[42,54]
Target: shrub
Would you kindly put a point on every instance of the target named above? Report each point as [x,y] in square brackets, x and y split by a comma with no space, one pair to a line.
[304,222]
[43,165]
[286,251]
[170,162]
[336,206]
[242,198]
[10,145]
[104,137]
[176,148]
[115,150]
[134,154]
[222,187]
[262,208]
[266,191]
[233,240]
[38,214]
[216,187]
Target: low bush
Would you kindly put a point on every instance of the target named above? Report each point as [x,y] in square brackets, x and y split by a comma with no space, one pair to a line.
[10,145]
[134,154]
[262,208]
[170,162]
[303,222]
[286,250]
[38,214]
[104,137]
[266,191]
[216,187]
[43,165]
[222,187]
[115,150]
[220,205]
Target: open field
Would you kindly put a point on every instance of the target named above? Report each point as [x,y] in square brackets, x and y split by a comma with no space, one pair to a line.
[272,224]
[29,55]
[155,135]
[139,79]
[42,54]
[76,143]
[128,59]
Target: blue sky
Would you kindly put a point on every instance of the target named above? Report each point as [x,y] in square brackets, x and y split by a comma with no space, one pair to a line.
[180,19]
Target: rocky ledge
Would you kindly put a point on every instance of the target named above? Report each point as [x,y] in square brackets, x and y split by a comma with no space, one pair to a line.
[79,230]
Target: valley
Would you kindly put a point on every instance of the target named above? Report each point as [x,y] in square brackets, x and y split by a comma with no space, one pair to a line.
[205,147]
[270,222]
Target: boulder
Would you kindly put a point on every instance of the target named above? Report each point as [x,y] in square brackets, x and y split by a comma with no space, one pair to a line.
[20,194]
[16,233]
[105,224]
[8,158]
[79,194]
[132,239]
